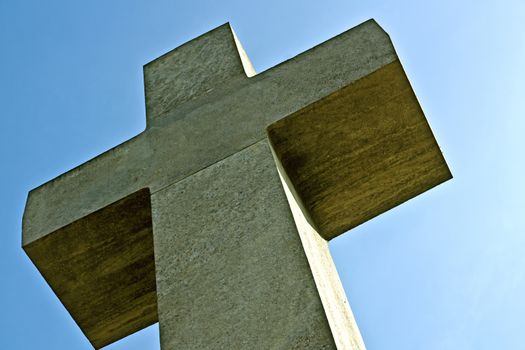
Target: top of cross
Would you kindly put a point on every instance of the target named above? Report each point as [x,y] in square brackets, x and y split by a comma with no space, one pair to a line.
[194,69]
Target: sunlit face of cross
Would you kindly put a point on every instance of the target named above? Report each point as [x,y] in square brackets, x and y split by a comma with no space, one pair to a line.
[189,223]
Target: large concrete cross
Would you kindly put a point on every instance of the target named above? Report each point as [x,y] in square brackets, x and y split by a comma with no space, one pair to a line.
[214,221]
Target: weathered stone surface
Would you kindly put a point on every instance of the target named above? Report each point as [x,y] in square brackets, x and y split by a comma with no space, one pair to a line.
[359,152]
[231,269]
[102,269]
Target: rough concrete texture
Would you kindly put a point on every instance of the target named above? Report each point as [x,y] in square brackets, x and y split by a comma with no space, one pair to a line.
[174,78]
[231,270]
[359,152]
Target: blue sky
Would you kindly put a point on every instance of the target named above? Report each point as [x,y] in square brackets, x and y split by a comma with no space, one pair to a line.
[443,271]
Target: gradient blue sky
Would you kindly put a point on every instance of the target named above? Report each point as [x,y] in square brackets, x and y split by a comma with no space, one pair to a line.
[443,271]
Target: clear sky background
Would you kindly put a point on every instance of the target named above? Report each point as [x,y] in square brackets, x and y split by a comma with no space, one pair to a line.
[443,271]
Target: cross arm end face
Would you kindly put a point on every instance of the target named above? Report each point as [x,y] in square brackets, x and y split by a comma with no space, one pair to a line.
[102,269]
[359,151]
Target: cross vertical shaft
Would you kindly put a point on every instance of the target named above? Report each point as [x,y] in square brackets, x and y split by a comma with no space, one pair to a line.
[238,277]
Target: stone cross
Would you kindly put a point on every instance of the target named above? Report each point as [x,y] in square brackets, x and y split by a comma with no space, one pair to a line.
[214,221]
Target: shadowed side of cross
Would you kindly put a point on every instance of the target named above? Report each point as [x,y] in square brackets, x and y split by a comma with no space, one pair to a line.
[188,223]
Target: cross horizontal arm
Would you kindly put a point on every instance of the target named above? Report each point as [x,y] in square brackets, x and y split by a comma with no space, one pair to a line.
[202,131]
